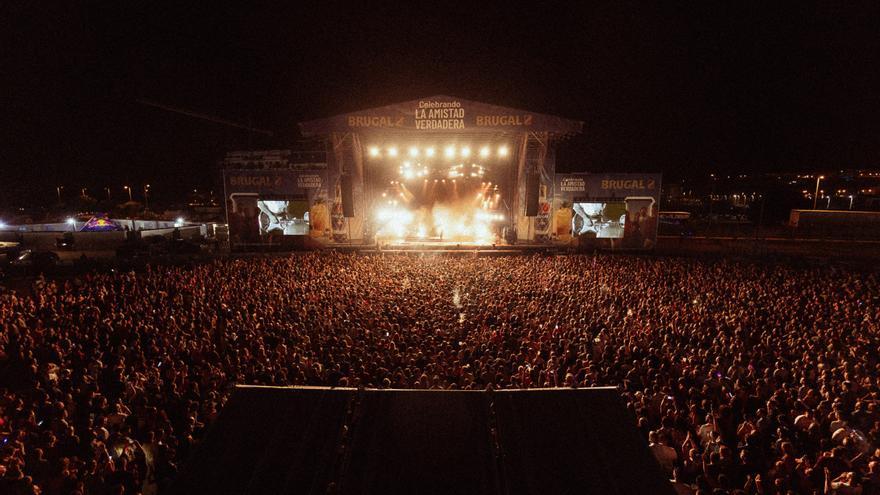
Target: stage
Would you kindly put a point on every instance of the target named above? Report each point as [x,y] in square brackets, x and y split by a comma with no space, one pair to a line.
[451,247]
[457,174]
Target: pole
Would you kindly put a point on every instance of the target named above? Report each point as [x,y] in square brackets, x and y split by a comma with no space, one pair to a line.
[760,217]
[226,203]
[816,194]
[711,202]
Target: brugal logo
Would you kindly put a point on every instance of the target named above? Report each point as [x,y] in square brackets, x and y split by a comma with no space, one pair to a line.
[255,180]
[628,184]
[374,121]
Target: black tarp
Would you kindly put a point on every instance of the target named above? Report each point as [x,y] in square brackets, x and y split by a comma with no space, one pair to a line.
[314,440]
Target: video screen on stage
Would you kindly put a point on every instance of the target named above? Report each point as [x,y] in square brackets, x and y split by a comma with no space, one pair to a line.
[283,217]
[604,220]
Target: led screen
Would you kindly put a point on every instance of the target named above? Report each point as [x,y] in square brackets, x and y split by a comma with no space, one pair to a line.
[281,217]
[605,220]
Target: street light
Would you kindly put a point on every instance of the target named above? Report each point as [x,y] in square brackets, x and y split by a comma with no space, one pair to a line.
[58,189]
[146,197]
[129,192]
[108,193]
[850,201]
[816,196]
[72,222]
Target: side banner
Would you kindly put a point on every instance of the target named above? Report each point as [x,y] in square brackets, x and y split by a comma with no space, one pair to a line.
[607,210]
[265,205]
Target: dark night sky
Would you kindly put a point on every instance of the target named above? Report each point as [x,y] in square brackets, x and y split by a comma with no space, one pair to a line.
[745,87]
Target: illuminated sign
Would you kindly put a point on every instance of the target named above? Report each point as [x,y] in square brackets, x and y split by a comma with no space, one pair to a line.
[374,121]
[255,180]
[311,181]
[432,115]
[627,184]
[503,120]
[441,113]
[572,184]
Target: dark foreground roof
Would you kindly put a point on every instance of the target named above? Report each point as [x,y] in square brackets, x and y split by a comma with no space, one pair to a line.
[316,440]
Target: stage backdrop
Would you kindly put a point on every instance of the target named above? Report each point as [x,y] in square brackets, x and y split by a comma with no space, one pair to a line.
[263,205]
[607,210]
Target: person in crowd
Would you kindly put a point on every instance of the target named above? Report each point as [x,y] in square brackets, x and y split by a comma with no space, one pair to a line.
[746,378]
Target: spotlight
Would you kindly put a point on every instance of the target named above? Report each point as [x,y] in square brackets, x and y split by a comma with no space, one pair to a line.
[392,151]
[484,152]
[502,151]
[429,152]
[413,151]
[465,152]
[450,151]
[374,151]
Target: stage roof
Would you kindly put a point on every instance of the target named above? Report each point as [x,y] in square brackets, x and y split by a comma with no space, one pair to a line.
[442,114]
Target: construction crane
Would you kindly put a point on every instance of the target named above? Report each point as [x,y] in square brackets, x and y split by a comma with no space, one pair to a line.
[209,118]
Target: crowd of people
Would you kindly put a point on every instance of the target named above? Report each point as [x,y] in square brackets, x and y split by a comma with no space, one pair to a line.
[743,378]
